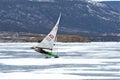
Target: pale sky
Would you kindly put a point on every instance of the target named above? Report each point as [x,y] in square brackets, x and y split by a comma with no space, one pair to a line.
[105,0]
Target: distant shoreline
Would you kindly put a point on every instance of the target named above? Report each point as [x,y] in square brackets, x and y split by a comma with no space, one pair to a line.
[32,37]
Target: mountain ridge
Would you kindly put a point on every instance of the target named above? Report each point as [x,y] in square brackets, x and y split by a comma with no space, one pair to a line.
[78,17]
[113,4]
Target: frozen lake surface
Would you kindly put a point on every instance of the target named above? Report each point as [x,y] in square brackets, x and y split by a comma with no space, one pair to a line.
[96,60]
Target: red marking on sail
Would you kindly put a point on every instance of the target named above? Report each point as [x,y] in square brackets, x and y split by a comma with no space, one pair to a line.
[50,37]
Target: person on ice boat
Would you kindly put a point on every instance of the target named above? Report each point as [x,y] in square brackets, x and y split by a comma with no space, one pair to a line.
[48,54]
[48,42]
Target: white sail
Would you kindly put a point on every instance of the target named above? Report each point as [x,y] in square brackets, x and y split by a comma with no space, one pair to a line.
[48,41]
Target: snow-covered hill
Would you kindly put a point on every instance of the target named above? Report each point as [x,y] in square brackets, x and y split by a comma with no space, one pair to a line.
[104,0]
[113,4]
[78,16]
